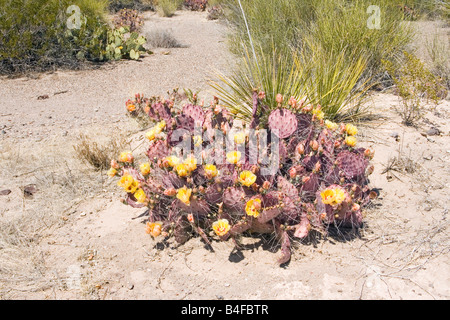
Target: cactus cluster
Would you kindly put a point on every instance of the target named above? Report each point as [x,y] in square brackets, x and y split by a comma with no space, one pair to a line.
[320,177]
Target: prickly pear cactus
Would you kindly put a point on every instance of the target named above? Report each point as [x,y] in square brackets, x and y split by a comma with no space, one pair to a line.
[217,189]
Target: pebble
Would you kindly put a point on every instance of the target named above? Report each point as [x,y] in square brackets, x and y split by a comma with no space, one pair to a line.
[395,135]
[130,286]
[82,214]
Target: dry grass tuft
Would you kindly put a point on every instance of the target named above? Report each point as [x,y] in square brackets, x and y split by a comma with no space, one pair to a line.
[98,155]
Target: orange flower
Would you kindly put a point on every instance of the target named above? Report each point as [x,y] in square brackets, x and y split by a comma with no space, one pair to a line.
[247,178]
[233,157]
[221,227]
[184,195]
[131,107]
[253,207]
[153,228]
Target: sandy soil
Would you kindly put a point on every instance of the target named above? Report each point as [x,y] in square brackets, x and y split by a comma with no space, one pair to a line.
[74,239]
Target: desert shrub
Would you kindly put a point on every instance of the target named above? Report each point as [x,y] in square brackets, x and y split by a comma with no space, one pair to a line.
[98,155]
[162,38]
[121,44]
[334,25]
[215,12]
[35,34]
[416,86]
[331,79]
[167,8]
[305,176]
[438,52]
[129,18]
[140,5]
[195,5]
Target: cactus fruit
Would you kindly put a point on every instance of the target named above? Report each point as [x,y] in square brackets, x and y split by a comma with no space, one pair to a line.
[320,180]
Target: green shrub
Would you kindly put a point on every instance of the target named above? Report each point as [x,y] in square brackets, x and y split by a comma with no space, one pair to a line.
[333,24]
[34,35]
[140,5]
[414,83]
[167,8]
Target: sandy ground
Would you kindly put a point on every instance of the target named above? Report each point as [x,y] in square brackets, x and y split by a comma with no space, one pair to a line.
[74,239]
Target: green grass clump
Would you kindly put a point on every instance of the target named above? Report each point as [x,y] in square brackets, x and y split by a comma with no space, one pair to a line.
[35,34]
[329,45]
[167,8]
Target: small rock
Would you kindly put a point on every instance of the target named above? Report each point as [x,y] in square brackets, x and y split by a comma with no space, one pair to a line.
[5,192]
[428,157]
[226,284]
[82,214]
[3,132]
[433,132]
[219,297]
[395,135]
[65,133]
[130,286]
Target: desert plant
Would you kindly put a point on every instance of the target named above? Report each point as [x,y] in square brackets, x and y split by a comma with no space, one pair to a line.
[195,5]
[121,44]
[162,38]
[98,155]
[129,18]
[415,85]
[167,8]
[38,35]
[334,25]
[140,5]
[307,175]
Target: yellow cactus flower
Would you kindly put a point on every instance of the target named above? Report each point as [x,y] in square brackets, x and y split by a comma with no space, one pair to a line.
[140,196]
[339,195]
[111,172]
[128,183]
[145,168]
[350,141]
[351,129]
[253,207]
[331,125]
[318,113]
[161,125]
[184,195]
[210,171]
[197,141]
[190,163]
[247,178]
[181,170]
[153,228]
[126,156]
[173,160]
[239,138]
[151,134]
[221,227]
[333,196]
[233,157]
[328,196]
